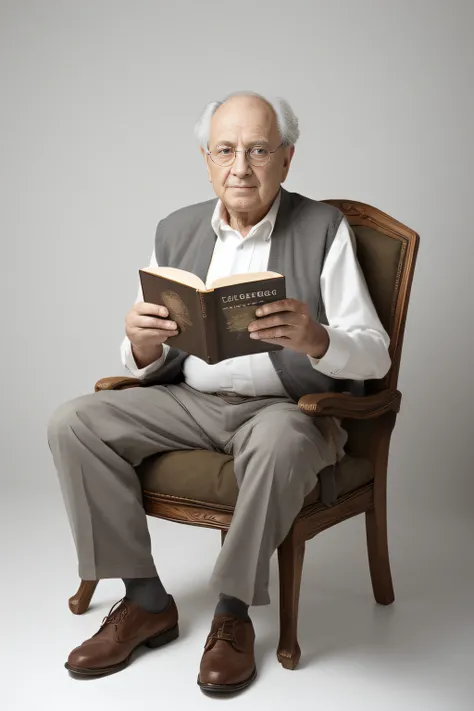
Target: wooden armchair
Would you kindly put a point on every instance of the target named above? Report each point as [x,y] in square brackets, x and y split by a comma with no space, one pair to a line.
[199,487]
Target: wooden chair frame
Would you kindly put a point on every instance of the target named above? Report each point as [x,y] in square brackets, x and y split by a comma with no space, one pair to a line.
[382,407]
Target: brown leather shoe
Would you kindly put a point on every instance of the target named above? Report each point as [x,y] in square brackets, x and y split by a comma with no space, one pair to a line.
[122,631]
[228,662]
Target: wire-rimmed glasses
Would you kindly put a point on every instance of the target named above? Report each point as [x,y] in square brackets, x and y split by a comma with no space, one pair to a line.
[256,155]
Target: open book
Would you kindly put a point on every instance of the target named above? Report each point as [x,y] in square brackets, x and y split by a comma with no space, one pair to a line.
[212,323]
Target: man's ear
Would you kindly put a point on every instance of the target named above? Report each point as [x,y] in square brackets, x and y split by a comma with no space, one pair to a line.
[206,158]
[287,162]
[289,158]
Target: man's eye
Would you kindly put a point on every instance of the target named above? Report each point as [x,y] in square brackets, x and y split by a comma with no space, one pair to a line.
[259,151]
[224,151]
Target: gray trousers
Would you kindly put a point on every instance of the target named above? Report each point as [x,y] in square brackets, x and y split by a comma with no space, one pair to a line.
[97,440]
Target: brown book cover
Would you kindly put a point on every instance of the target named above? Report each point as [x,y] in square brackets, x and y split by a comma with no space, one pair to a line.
[213,323]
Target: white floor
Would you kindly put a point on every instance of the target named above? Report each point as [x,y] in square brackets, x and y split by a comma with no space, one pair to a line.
[416,654]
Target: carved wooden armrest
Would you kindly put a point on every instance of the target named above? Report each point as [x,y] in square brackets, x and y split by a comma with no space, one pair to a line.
[341,405]
[120,382]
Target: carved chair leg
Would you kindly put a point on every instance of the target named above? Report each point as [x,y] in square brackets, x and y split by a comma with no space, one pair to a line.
[223,535]
[377,549]
[79,603]
[290,563]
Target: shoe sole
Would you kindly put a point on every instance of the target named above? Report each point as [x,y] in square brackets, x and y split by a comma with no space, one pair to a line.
[227,688]
[158,640]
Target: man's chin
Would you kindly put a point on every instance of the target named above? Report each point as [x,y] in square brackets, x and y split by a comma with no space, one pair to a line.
[249,197]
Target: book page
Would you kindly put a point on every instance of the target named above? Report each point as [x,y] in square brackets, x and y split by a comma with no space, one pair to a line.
[243,278]
[179,275]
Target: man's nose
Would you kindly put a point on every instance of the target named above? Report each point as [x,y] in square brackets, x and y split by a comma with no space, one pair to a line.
[241,165]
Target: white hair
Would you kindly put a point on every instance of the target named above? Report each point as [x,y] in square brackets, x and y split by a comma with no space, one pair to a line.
[286,119]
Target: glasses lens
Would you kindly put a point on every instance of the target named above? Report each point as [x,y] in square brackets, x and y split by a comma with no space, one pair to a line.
[223,155]
[259,155]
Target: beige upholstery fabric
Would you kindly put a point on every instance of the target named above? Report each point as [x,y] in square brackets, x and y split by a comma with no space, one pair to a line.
[208,477]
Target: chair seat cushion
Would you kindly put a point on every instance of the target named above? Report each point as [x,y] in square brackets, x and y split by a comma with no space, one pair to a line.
[208,477]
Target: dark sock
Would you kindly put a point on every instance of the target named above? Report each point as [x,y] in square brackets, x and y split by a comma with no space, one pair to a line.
[148,593]
[232,605]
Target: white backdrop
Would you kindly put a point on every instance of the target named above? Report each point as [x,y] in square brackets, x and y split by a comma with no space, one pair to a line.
[99,99]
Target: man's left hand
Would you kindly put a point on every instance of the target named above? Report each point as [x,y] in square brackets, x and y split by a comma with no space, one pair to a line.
[288,323]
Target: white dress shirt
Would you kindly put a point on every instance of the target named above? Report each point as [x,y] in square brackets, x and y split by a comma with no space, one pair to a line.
[358,343]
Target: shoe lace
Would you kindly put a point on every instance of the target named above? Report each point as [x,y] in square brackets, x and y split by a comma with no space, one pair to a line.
[224,629]
[115,615]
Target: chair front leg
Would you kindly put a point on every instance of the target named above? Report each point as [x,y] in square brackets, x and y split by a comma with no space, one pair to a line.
[377,549]
[376,517]
[290,563]
[79,603]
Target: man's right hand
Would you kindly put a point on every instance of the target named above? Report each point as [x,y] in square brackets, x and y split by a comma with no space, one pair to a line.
[147,328]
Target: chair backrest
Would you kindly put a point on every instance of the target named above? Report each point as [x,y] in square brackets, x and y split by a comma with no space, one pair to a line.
[387,252]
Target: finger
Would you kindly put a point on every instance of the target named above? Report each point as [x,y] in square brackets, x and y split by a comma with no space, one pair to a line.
[152,334]
[168,334]
[282,305]
[146,309]
[290,318]
[272,333]
[155,323]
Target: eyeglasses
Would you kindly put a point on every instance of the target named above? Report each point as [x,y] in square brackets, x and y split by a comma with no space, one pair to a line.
[256,155]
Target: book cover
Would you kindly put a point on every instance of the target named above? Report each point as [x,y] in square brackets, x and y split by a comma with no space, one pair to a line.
[184,305]
[213,324]
[235,307]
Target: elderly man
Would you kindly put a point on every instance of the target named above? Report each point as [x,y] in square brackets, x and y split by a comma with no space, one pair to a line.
[245,406]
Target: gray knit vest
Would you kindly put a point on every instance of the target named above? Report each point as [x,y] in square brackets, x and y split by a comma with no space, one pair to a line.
[303,234]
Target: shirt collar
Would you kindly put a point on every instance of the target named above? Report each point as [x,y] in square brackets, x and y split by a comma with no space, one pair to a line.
[219,225]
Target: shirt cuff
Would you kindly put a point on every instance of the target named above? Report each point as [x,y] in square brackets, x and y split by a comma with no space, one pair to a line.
[140,373]
[336,357]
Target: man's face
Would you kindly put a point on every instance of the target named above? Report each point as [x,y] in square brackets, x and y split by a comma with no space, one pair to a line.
[240,123]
